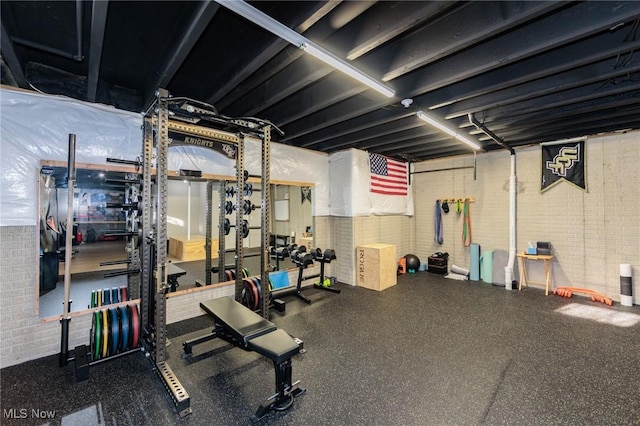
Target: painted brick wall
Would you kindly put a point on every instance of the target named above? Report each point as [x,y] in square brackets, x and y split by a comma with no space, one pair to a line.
[341,231]
[591,232]
[23,336]
[349,232]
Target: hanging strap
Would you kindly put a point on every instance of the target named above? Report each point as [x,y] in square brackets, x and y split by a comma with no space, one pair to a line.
[439,238]
[466,225]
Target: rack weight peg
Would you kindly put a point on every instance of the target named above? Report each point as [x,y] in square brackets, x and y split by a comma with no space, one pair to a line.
[244,227]
[248,207]
[230,191]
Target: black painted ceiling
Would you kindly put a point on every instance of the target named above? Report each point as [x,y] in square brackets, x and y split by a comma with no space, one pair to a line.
[529,71]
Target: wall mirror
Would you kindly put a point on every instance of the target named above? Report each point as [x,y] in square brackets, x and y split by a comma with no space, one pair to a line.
[97,248]
[94,233]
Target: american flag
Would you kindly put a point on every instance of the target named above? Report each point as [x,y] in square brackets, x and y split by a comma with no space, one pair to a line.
[388,176]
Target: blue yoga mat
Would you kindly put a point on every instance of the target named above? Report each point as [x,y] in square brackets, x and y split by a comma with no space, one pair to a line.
[474,265]
[486,266]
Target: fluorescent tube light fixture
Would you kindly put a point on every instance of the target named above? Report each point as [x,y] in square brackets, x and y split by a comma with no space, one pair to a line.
[441,126]
[268,23]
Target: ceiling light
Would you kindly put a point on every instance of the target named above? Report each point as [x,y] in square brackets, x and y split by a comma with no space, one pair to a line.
[268,23]
[441,126]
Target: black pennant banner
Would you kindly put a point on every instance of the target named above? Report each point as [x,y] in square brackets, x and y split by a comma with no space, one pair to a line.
[563,161]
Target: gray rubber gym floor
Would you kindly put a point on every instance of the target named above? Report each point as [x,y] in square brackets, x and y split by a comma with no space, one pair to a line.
[429,351]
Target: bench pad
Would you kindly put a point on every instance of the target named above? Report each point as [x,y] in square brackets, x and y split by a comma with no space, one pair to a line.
[278,346]
[239,321]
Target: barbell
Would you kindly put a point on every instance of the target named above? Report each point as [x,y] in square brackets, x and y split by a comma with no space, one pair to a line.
[244,227]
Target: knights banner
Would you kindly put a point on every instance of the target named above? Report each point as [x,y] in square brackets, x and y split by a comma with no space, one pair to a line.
[564,160]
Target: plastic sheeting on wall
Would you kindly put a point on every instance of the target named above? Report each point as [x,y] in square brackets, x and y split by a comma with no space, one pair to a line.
[295,165]
[36,127]
[349,173]
[346,194]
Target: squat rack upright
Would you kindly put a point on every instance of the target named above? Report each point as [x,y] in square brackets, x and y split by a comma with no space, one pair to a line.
[175,122]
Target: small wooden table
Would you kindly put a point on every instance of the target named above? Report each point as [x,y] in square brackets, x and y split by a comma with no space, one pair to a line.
[546,259]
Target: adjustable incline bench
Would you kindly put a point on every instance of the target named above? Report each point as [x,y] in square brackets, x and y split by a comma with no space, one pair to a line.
[244,328]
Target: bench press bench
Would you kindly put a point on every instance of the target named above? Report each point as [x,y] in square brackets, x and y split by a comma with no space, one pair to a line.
[242,327]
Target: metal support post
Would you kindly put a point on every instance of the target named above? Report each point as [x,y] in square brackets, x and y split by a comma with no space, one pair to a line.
[221,234]
[239,202]
[266,219]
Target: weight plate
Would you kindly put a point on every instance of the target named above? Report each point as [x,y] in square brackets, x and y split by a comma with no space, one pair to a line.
[97,334]
[245,228]
[258,282]
[252,292]
[115,295]
[135,326]
[124,324]
[254,289]
[243,299]
[105,334]
[114,336]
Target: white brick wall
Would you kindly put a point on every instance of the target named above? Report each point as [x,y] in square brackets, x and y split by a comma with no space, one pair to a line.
[349,232]
[23,336]
[591,232]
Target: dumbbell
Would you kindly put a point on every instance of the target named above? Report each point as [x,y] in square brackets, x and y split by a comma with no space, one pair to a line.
[280,252]
[294,250]
[329,255]
[302,259]
[317,253]
[244,227]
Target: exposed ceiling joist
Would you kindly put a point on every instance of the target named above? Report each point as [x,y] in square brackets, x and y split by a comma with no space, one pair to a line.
[96,42]
[531,71]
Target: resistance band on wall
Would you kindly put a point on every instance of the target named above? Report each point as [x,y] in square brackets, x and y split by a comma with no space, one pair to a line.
[466,225]
[439,237]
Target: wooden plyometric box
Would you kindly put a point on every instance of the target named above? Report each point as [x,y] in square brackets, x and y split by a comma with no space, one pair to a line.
[185,249]
[305,241]
[376,267]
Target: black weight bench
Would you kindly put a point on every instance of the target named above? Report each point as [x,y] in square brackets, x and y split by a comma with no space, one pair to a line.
[244,328]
